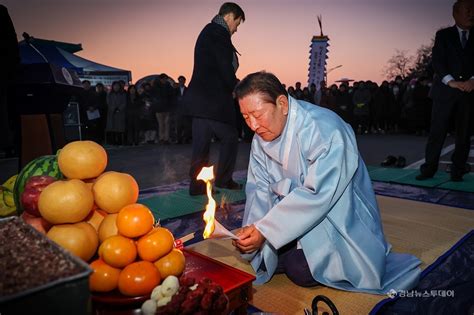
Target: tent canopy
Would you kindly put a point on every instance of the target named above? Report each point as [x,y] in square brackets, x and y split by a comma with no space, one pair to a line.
[33,51]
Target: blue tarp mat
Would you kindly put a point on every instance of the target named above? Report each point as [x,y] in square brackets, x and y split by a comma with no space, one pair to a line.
[445,287]
[439,196]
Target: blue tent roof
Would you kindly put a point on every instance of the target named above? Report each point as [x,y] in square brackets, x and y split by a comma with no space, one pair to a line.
[40,51]
[33,52]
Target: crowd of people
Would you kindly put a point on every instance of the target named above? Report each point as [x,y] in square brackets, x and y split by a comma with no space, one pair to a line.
[153,112]
[131,115]
[392,107]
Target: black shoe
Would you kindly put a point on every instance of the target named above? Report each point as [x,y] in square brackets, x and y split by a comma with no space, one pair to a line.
[389,161]
[423,176]
[197,187]
[466,170]
[401,162]
[230,185]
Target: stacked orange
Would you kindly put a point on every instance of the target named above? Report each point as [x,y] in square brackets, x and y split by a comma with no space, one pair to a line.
[75,207]
[92,207]
[145,253]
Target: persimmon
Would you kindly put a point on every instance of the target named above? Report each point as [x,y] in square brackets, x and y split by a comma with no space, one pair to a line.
[171,264]
[138,278]
[104,278]
[65,201]
[82,159]
[114,190]
[108,227]
[156,244]
[95,218]
[118,251]
[135,220]
[80,238]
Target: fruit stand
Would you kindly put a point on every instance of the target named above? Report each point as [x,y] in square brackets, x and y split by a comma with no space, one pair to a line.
[73,205]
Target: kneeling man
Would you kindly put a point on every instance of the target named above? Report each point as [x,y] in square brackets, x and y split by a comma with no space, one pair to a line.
[311,211]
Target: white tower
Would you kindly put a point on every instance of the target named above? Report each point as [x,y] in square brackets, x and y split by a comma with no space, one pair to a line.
[317,58]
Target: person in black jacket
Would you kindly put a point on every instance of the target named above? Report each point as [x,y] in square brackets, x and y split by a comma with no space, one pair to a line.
[452,91]
[209,98]
[9,61]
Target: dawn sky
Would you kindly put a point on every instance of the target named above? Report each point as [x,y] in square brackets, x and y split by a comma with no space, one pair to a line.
[153,36]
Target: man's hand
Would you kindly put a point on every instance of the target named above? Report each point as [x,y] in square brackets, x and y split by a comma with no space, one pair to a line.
[469,85]
[463,86]
[250,239]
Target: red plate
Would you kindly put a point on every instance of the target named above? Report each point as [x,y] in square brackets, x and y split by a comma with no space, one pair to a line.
[117,298]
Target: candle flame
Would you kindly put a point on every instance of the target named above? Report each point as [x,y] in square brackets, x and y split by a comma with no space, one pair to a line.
[207,175]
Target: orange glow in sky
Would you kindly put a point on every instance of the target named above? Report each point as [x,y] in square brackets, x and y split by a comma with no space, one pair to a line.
[152,36]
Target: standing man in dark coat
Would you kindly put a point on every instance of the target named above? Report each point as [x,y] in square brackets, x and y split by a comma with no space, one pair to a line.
[9,61]
[209,98]
[452,91]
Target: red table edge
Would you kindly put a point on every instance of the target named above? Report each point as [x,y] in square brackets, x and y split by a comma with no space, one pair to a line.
[250,277]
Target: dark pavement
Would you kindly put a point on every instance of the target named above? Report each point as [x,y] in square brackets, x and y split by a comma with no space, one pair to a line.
[154,165]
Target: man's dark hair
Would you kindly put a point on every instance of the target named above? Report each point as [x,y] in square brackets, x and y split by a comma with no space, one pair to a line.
[181,77]
[231,7]
[262,82]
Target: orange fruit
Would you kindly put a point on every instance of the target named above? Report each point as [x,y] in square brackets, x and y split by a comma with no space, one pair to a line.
[79,238]
[65,201]
[39,223]
[135,220]
[108,227]
[118,251]
[113,191]
[171,264]
[138,278]
[82,159]
[95,218]
[156,244]
[104,278]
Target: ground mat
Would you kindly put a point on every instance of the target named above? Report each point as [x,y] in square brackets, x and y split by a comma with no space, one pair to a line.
[171,201]
[408,177]
[422,229]
[178,203]
[440,196]
[466,185]
[390,174]
[445,287]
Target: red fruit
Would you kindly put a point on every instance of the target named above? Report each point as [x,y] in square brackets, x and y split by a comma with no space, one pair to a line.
[35,181]
[220,304]
[186,281]
[29,200]
[38,223]
[206,301]
[189,306]
[33,188]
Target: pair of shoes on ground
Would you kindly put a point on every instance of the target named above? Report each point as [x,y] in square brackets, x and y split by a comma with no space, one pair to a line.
[197,188]
[393,161]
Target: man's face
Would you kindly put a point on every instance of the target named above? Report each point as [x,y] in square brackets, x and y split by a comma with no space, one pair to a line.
[232,23]
[464,15]
[266,119]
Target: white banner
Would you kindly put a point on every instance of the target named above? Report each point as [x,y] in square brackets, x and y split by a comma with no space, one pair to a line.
[317,60]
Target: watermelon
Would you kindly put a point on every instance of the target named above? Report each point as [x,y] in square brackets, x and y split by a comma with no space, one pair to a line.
[44,165]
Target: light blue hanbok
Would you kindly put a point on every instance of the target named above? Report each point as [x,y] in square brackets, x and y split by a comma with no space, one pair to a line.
[311,185]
